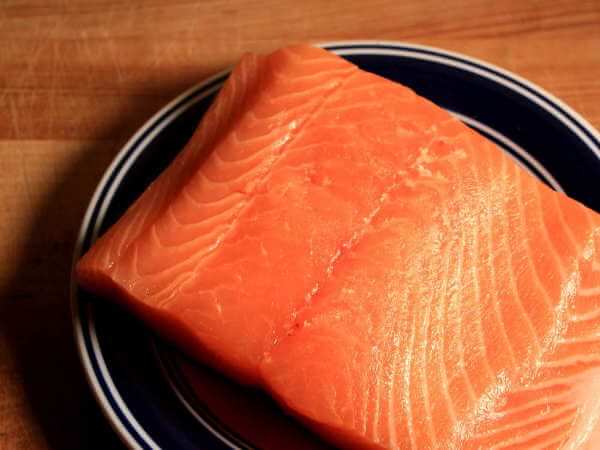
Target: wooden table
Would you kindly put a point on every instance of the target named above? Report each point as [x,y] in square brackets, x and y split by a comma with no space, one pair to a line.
[78,77]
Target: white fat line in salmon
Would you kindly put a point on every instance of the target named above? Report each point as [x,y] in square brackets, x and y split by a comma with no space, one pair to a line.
[531,420]
[535,433]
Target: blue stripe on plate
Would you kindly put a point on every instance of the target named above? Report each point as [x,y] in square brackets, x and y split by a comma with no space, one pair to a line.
[94,361]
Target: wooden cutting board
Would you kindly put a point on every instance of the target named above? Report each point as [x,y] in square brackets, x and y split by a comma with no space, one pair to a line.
[78,77]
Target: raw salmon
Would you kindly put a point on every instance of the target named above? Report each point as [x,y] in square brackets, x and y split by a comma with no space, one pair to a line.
[389,275]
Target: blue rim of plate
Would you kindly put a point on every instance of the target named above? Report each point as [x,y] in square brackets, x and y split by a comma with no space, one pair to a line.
[567,157]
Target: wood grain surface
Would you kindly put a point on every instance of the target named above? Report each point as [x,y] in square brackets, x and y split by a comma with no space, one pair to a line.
[78,77]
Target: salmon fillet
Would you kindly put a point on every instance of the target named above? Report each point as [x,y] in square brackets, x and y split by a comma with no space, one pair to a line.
[390,276]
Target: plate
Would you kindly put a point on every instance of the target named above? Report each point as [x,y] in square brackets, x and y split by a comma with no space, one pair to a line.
[154,397]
